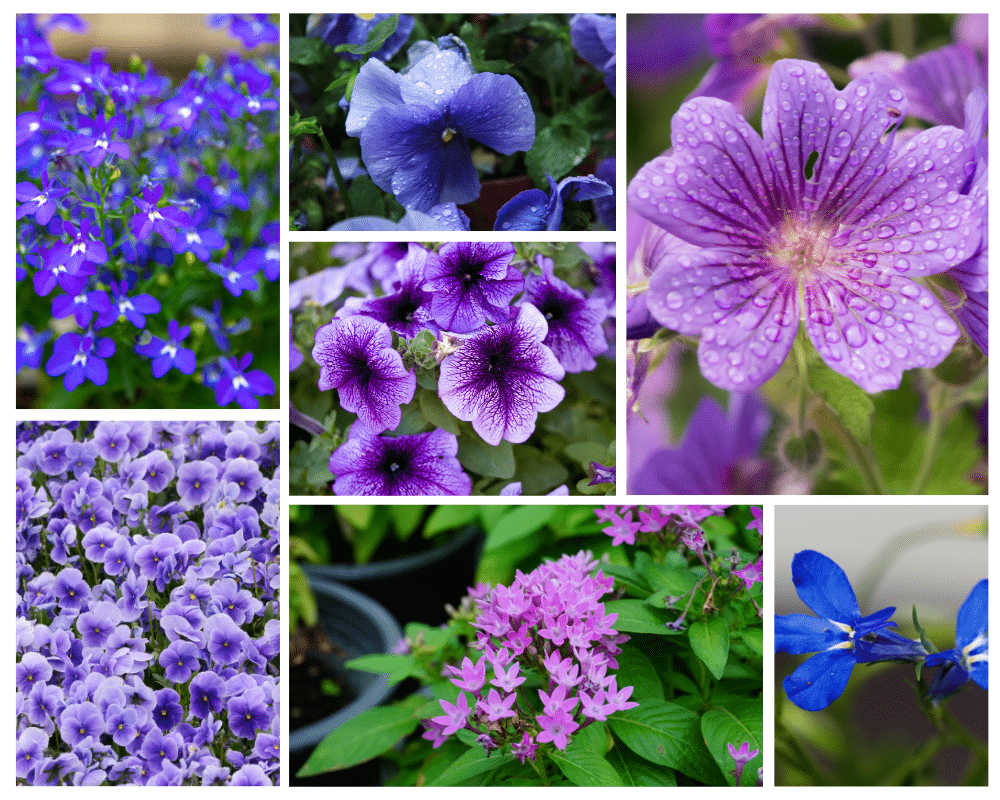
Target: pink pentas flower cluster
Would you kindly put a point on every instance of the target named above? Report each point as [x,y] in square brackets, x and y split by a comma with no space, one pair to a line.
[658,521]
[546,668]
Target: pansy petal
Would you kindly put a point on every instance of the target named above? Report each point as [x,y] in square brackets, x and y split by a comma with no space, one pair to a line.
[526,211]
[375,86]
[435,78]
[820,680]
[495,111]
[873,327]
[823,586]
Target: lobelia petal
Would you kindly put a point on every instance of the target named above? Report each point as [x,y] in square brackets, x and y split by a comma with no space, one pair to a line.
[820,680]
[803,633]
[822,585]
[973,616]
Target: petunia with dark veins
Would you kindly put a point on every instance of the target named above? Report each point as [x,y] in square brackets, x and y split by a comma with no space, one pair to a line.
[472,282]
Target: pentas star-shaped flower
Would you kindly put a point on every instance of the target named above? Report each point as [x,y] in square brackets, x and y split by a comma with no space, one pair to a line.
[970,656]
[839,635]
[421,464]
[472,282]
[356,357]
[415,127]
[825,220]
[501,378]
[751,573]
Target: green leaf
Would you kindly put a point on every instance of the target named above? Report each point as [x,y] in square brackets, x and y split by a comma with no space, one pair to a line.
[405,519]
[376,38]
[447,518]
[634,616]
[366,198]
[557,149]
[710,642]
[664,579]
[394,667]
[624,575]
[585,768]
[667,734]
[307,51]
[636,669]
[361,738]
[519,523]
[722,727]
[477,456]
[436,414]
[635,771]
[754,637]
[475,762]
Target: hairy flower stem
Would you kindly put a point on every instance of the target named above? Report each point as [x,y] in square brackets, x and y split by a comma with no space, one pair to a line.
[860,455]
[935,407]
[307,423]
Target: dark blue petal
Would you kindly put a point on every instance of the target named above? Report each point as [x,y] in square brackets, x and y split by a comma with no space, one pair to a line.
[801,633]
[875,622]
[527,211]
[887,646]
[823,586]
[495,111]
[820,680]
[981,674]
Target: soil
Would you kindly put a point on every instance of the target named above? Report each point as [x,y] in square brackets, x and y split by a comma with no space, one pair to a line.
[316,666]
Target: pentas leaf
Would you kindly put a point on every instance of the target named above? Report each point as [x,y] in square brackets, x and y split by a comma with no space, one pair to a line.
[394,667]
[361,738]
[710,642]
[634,616]
[636,771]
[474,763]
[636,669]
[735,725]
[585,768]
[518,524]
[667,734]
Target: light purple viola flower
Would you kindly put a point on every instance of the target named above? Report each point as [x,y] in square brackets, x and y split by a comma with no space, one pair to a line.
[575,321]
[718,455]
[196,481]
[356,357]
[826,224]
[80,721]
[111,439]
[207,692]
[936,83]
[593,38]
[423,464]
[179,660]
[533,210]
[472,282]
[250,775]
[502,377]
[122,724]
[30,751]
[53,453]
[32,670]
[248,713]
[78,358]
[415,127]
[225,640]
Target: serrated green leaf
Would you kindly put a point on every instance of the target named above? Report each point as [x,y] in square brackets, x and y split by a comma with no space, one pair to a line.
[852,404]
[710,642]
[361,738]
[667,734]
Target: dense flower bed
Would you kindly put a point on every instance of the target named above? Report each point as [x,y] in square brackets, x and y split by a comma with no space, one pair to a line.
[147,603]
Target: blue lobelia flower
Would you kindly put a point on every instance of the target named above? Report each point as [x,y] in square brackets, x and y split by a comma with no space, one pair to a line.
[828,221]
[969,658]
[415,127]
[839,635]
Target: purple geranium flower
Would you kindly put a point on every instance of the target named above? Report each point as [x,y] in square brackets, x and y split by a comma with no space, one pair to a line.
[356,357]
[472,282]
[718,454]
[575,321]
[415,127]
[501,378]
[822,221]
[422,464]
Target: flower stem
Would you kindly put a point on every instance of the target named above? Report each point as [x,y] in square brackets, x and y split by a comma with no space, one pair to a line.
[304,421]
[935,405]
[861,456]
[341,186]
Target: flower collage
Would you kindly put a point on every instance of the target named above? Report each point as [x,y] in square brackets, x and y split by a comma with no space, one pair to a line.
[321,396]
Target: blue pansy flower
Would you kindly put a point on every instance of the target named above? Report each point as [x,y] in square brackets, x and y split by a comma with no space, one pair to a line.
[533,210]
[337,29]
[415,127]
[969,658]
[839,635]
[593,37]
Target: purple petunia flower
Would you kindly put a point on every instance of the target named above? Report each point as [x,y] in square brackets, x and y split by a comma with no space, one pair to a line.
[415,127]
[406,309]
[501,378]
[422,464]
[575,333]
[822,221]
[472,282]
[356,357]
